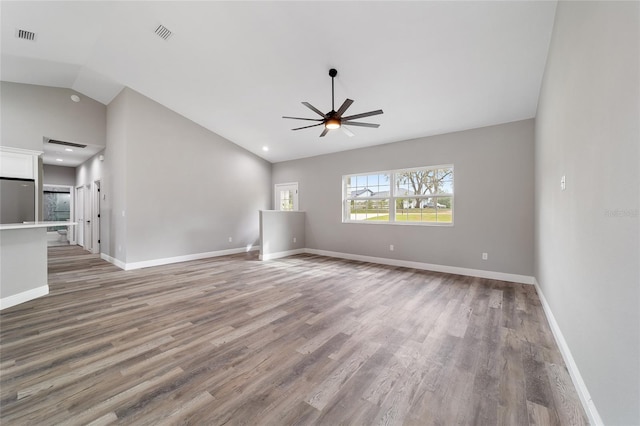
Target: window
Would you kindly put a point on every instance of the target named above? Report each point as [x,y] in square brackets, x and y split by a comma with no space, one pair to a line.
[367,197]
[422,195]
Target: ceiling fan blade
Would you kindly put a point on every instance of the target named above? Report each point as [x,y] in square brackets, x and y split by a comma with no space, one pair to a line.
[324,132]
[364,114]
[350,123]
[347,131]
[346,104]
[314,109]
[306,127]
[300,118]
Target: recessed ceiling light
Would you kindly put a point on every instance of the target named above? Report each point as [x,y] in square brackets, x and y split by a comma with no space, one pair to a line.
[265,148]
[59,159]
[68,149]
[75,98]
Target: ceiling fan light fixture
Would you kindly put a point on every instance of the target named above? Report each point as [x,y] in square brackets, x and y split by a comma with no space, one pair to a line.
[332,124]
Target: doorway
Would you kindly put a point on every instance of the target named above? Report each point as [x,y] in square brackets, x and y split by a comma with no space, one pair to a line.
[58,206]
[87,217]
[286,196]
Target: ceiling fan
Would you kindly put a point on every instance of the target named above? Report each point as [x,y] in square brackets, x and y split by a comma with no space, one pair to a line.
[334,119]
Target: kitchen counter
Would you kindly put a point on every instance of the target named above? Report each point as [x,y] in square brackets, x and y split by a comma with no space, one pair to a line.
[26,225]
[23,261]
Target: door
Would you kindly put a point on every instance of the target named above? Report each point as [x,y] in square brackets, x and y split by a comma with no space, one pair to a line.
[286,196]
[95,217]
[88,231]
[79,228]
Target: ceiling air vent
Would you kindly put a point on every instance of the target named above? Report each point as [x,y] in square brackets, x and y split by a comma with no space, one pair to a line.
[163,32]
[76,145]
[25,35]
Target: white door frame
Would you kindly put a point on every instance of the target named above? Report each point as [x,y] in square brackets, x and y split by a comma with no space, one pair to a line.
[78,235]
[277,191]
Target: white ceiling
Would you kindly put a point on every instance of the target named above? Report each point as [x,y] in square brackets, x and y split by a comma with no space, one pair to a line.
[237,67]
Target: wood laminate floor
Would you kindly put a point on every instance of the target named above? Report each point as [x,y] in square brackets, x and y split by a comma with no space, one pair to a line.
[301,340]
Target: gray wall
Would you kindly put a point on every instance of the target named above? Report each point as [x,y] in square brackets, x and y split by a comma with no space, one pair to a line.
[587,256]
[278,229]
[89,171]
[493,199]
[58,175]
[31,112]
[186,190]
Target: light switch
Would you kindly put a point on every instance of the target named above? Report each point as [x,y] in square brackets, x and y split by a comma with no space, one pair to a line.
[563,183]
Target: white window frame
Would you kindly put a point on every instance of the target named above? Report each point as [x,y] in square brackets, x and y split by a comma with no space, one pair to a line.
[293,187]
[345,198]
[393,197]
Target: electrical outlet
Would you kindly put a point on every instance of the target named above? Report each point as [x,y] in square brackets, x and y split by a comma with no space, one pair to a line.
[230,239]
[485,256]
[295,240]
[391,248]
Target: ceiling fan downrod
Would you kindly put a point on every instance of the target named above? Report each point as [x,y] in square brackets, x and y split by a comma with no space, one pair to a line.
[332,73]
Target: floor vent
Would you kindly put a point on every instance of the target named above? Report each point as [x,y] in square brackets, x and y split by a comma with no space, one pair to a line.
[163,32]
[25,35]
[65,143]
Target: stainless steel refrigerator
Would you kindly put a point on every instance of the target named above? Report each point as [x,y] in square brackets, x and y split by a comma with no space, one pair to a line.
[17,200]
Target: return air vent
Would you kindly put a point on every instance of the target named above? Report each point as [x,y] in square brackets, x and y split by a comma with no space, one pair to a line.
[65,143]
[163,32]
[25,35]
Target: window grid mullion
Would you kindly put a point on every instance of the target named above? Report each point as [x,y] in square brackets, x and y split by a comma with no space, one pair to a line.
[392,197]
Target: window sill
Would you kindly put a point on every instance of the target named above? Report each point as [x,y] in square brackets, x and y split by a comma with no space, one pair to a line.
[399,223]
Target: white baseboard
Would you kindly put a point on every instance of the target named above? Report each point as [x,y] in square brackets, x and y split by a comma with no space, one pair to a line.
[502,276]
[175,259]
[523,279]
[120,264]
[25,296]
[576,377]
[280,254]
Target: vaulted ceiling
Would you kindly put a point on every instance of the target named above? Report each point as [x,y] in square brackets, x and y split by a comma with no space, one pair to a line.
[237,67]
